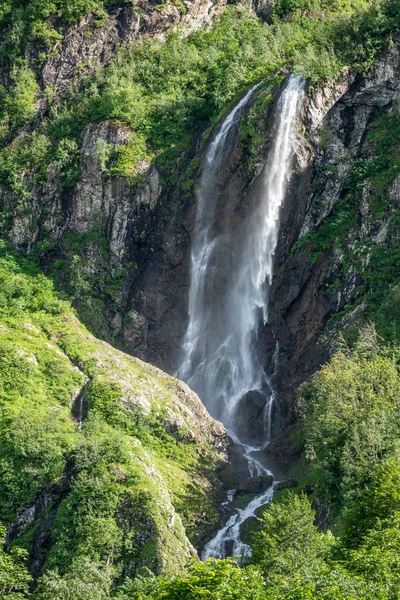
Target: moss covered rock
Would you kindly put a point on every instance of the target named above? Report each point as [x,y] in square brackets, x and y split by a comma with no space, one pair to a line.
[103,456]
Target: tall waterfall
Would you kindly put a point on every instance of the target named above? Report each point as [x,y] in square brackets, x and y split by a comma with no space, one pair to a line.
[231,269]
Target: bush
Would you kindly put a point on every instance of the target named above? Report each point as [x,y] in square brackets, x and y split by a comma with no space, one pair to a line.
[14,577]
[352,412]
[18,104]
[85,581]
[288,542]
[214,579]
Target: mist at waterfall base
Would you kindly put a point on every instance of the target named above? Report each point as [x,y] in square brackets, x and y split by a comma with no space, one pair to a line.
[231,270]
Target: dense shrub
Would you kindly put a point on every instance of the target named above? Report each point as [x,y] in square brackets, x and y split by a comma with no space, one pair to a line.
[352,411]
[14,577]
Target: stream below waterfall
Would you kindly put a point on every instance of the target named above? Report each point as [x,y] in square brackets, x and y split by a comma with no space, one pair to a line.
[231,270]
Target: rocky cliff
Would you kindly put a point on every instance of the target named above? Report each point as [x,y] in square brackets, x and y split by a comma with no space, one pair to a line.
[337,229]
[321,280]
[95,40]
[121,246]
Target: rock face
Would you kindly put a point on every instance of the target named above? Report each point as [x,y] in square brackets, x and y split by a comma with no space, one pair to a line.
[86,46]
[302,297]
[285,484]
[109,204]
[251,417]
[263,9]
[337,122]
[254,485]
[96,226]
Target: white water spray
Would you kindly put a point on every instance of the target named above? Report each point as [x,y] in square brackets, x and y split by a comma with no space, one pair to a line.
[231,271]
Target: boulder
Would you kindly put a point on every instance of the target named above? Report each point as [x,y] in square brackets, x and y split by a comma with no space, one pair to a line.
[251,417]
[247,528]
[229,548]
[255,485]
[285,484]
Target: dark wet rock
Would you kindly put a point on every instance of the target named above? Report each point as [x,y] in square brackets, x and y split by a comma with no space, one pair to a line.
[260,511]
[309,489]
[229,547]
[247,528]
[264,10]
[285,484]
[235,470]
[251,417]
[255,485]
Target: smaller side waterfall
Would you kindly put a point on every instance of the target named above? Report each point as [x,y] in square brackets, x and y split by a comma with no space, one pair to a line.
[231,271]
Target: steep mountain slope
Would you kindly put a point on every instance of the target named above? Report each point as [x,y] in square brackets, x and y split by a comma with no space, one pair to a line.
[338,266]
[102,455]
[108,466]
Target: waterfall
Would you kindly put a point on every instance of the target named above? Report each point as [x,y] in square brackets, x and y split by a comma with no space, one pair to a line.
[231,270]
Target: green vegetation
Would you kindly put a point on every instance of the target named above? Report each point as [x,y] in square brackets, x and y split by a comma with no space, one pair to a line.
[33,22]
[352,444]
[215,579]
[113,483]
[14,577]
[166,92]
[352,409]
[112,487]
[117,496]
[289,542]
[92,289]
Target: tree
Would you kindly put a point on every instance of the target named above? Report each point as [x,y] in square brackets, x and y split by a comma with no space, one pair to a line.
[379,503]
[211,580]
[352,411]
[14,577]
[289,543]
[84,581]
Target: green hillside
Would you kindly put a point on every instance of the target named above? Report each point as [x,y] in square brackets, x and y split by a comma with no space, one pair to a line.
[111,471]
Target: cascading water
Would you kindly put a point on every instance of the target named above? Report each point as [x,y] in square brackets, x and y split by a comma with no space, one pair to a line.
[231,271]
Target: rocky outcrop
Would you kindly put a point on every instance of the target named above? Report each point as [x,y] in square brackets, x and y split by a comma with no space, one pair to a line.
[264,9]
[285,485]
[110,204]
[337,122]
[254,485]
[95,40]
[87,45]
[101,221]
